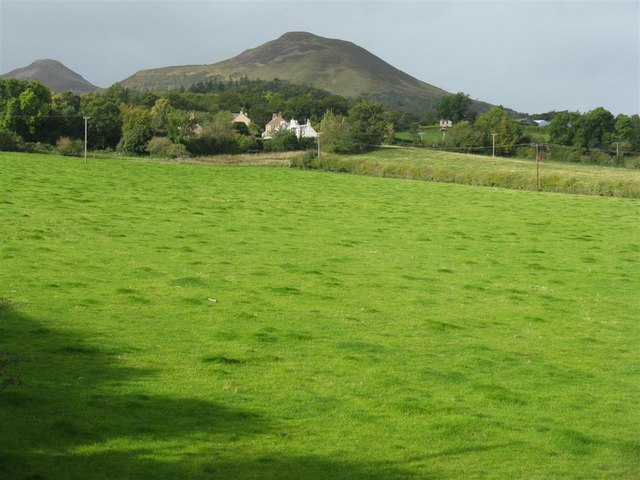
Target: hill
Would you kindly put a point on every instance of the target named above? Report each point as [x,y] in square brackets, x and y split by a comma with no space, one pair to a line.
[53,74]
[337,66]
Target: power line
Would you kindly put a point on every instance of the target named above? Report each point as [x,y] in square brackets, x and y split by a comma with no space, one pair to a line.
[42,116]
[489,147]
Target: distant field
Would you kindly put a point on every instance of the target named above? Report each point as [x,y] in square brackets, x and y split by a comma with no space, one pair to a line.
[224,322]
[518,174]
[426,134]
[430,133]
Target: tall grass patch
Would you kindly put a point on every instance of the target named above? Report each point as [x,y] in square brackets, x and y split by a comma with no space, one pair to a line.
[517,174]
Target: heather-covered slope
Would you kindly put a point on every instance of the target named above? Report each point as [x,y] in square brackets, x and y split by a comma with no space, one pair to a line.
[53,74]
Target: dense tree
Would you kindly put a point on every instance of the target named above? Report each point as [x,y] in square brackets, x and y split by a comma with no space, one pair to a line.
[118,94]
[454,107]
[136,131]
[35,105]
[627,131]
[496,121]
[368,125]
[283,141]
[12,119]
[221,126]
[562,129]
[10,114]
[463,137]
[105,123]
[217,136]
[65,119]
[161,117]
[594,129]
[335,134]
[24,108]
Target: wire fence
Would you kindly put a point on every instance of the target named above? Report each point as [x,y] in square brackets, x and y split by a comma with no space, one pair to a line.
[499,147]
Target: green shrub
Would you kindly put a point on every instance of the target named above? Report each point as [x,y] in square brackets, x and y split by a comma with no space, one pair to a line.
[249,144]
[283,141]
[9,141]
[633,162]
[157,146]
[164,148]
[35,147]
[70,148]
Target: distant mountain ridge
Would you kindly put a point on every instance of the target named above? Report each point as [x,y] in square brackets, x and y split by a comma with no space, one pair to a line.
[53,74]
[337,66]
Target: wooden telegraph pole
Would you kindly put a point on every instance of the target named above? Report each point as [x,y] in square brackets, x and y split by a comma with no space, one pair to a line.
[85,138]
[537,168]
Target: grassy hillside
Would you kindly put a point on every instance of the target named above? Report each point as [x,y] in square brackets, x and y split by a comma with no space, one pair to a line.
[53,74]
[337,66]
[189,321]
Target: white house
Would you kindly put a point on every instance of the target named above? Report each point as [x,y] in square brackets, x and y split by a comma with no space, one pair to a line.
[543,123]
[278,124]
[444,124]
[302,131]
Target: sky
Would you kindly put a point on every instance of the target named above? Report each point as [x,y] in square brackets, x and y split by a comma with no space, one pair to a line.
[531,56]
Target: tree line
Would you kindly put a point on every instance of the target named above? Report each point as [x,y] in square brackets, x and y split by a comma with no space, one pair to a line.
[596,136]
[195,120]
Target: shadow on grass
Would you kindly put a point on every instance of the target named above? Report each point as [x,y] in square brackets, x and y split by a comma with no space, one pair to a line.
[64,421]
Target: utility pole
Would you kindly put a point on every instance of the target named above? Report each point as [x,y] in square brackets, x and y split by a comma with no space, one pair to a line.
[537,168]
[617,148]
[319,143]
[86,119]
[493,148]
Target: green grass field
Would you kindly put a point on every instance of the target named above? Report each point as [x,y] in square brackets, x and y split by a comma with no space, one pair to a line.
[226,322]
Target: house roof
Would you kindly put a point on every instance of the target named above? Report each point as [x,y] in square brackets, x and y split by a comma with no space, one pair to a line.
[276,120]
[240,117]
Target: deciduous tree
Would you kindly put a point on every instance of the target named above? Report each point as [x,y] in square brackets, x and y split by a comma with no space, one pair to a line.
[454,107]
[594,129]
[496,121]
[368,125]
[105,124]
[136,131]
[335,134]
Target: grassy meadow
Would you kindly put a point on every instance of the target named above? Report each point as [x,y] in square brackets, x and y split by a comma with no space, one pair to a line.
[239,322]
[482,170]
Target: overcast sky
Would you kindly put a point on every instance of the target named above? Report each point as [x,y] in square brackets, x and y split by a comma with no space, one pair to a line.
[529,56]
